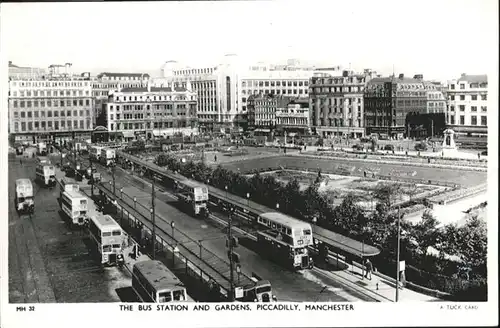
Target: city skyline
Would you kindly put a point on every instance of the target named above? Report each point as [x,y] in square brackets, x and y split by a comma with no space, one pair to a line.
[109,36]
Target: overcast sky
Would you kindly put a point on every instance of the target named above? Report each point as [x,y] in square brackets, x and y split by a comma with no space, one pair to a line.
[439,38]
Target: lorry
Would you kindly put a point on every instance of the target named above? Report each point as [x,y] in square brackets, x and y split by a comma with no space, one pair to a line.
[23,201]
[46,175]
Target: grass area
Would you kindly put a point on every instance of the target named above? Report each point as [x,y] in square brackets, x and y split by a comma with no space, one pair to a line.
[336,187]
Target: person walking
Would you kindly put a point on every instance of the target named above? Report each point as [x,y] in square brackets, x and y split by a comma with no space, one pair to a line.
[369,269]
[21,161]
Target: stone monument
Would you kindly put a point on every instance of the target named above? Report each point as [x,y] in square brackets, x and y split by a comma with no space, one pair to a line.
[449,146]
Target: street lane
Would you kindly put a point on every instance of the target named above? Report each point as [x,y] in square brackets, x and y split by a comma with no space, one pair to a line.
[49,261]
[289,286]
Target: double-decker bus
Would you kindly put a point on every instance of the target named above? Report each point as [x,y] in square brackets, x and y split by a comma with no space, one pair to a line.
[41,149]
[44,160]
[95,152]
[107,239]
[108,156]
[154,283]
[192,194]
[75,205]
[23,200]
[286,239]
[46,175]
[67,185]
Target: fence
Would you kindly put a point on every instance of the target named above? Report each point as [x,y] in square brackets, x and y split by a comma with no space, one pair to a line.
[198,259]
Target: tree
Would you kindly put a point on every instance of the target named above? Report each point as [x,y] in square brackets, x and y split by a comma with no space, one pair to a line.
[474,242]
[349,216]
[426,232]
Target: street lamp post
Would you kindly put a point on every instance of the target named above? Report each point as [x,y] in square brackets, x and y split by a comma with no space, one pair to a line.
[201,247]
[152,210]
[135,201]
[172,224]
[398,254]
[248,199]
[121,193]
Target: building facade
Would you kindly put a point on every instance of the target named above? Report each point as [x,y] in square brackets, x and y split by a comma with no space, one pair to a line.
[392,104]
[336,103]
[223,90]
[294,118]
[148,112]
[467,112]
[106,82]
[53,108]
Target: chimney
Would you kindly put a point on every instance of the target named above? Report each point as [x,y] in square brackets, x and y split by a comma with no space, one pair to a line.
[401,76]
[149,86]
[463,74]
[418,77]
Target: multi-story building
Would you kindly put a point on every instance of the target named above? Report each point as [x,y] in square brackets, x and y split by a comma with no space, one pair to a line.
[148,111]
[18,72]
[269,114]
[52,108]
[103,83]
[395,106]
[336,103]
[294,118]
[467,112]
[223,90]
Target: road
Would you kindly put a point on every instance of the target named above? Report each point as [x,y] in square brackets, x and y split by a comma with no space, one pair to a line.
[288,286]
[461,177]
[48,261]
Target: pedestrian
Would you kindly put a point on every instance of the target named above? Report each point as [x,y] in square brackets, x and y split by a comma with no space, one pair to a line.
[215,158]
[369,269]
[478,155]
[21,161]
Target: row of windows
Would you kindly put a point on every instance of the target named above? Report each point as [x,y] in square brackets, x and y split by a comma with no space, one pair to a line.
[337,101]
[473,120]
[254,83]
[277,92]
[205,85]
[50,103]
[155,107]
[51,93]
[141,116]
[50,113]
[153,98]
[338,80]
[471,85]
[194,71]
[337,90]
[340,111]
[472,108]
[472,97]
[143,126]
[48,84]
[56,125]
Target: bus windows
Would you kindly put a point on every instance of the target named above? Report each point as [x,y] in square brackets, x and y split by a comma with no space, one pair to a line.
[289,231]
[264,289]
[106,248]
[116,246]
[83,202]
[165,297]
[106,234]
[179,295]
[117,232]
[307,232]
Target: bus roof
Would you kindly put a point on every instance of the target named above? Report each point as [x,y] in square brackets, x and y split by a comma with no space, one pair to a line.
[158,275]
[105,221]
[23,182]
[66,181]
[285,220]
[192,183]
[75,194]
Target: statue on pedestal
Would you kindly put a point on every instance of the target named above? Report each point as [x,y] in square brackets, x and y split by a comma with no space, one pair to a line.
[449,146]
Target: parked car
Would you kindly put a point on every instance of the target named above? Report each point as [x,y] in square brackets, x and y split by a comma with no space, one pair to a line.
[389,147]
[358,147]
[484,152]
[421,146]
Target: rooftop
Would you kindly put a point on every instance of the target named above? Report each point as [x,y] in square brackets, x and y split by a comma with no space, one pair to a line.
[483,78]
[153,89]
[100,75]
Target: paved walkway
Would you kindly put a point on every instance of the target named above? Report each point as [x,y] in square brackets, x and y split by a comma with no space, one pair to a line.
[380,286]
[458,154]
